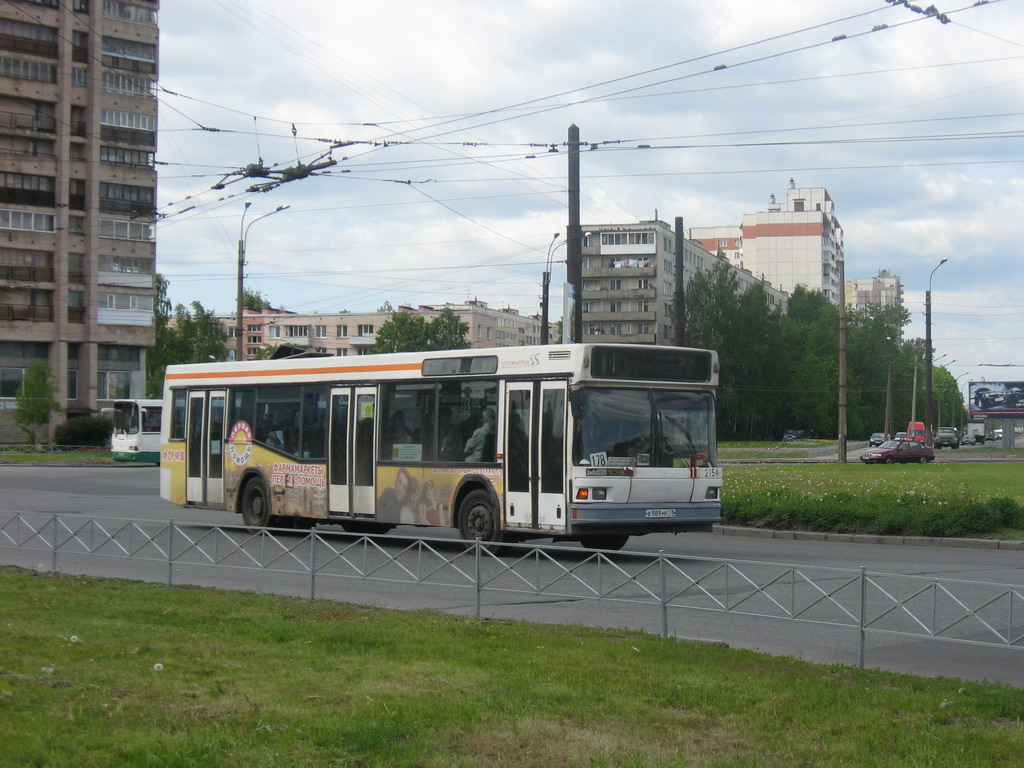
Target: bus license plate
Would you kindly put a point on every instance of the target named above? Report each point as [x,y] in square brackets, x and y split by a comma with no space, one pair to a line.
[661,513]
[707,473]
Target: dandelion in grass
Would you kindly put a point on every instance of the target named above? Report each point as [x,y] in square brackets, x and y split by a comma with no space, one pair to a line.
[158,667]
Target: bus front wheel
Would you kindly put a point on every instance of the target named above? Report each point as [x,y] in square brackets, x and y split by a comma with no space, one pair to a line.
[478,518]
[255,505]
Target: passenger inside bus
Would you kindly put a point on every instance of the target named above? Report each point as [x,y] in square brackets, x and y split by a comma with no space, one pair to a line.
[480,446]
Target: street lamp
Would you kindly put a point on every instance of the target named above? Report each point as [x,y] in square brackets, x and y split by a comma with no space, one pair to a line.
[243,233]
[928,356]
[545,287]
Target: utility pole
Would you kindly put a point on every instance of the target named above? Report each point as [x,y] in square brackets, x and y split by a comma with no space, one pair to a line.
[842,361]
[679,295]
[574,240]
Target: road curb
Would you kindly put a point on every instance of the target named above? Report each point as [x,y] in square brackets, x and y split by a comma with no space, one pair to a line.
[1016,545]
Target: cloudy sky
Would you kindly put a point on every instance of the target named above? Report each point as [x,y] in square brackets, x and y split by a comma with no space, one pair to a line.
[447,123]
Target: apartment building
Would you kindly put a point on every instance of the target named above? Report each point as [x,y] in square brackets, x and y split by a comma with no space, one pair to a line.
[77,193]
[629,280]
[799,242]
[884,288]
[355,333]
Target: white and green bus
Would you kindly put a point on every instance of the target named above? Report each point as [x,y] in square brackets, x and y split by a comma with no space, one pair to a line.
[588,442]
[136,435]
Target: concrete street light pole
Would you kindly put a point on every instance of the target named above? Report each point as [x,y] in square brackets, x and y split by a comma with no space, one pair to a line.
[243,233]
[544,296]
[928,357]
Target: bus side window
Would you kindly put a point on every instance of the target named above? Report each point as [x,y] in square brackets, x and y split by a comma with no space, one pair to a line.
[178,413]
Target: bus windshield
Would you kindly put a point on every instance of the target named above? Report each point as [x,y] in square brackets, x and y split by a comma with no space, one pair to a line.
[644,428]
[126,418]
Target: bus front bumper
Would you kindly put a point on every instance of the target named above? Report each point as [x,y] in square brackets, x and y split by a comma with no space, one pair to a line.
[589,519]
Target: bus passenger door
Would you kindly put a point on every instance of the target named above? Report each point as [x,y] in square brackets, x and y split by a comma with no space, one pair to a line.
[520,458]
[204,448]
[215,449]
[550,447]
[364,417]
[340,454]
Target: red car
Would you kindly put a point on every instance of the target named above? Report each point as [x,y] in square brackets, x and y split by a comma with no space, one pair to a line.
[899,452]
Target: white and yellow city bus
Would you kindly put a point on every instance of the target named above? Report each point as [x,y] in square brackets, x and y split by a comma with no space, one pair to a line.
[591,442]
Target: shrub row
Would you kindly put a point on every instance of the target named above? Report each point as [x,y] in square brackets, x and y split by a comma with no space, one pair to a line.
[84,430]
[881,513]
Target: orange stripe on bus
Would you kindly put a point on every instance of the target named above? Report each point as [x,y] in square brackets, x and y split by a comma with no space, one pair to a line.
[295,371]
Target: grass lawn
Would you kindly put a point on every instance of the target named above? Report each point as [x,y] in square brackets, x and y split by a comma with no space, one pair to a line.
[934,479]
[97,672]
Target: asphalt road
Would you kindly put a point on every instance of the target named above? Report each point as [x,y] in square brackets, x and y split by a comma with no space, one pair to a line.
[131,492]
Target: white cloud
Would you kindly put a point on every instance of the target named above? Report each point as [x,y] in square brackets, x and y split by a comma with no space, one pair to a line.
[444,219]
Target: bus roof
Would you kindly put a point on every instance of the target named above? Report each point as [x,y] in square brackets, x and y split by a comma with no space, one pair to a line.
[618,362]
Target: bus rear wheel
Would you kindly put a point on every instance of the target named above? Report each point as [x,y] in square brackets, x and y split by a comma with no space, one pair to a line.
[614,541]
[255,505]
[478,518]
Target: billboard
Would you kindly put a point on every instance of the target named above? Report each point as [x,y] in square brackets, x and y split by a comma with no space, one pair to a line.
[996,399]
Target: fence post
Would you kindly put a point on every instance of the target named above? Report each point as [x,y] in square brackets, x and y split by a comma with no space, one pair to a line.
[312,565]
[476,575]
[53,547]
[664,593]
[170,553]
[863,614]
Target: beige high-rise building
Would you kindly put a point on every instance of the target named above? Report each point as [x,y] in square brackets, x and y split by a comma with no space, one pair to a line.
[629,280]
[77,194]
[884,288]
[798,242]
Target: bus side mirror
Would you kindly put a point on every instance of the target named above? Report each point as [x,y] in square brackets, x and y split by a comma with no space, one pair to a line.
[576,403]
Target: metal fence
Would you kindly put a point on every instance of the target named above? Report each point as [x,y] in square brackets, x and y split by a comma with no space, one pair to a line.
[963,611]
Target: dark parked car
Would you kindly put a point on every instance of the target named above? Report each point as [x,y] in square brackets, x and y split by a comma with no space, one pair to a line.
[799,434]
[898,452]
[877,438]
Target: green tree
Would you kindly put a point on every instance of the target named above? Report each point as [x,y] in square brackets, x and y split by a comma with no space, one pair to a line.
[447,331]
[406,332]
[36,400]
[254,300]
[188,336]
[386,307]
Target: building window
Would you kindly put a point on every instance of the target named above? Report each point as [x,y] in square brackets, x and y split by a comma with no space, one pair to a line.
[296,331]
[273,332]
[120,156]
[341,331]
[10,381]
[128,193]
[364,330]
[125,230]
[615,285]
[115,82]
[72,384]
[254,340]
[627,238]
[28,70]
[113,9]
[26,221]
[126,301]
[114,385]
[80,77]
[643,283]
[131,264]
[321,332]
[76,225]
[615,306]
[252,328]
[133,120]
[586,307]
[129,49]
